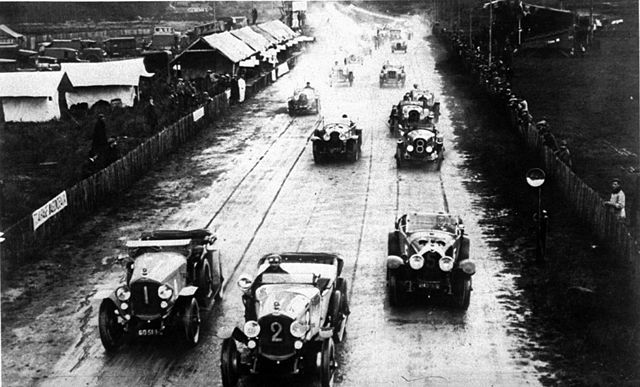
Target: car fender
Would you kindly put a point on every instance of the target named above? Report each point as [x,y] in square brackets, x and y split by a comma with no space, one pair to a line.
[394,262]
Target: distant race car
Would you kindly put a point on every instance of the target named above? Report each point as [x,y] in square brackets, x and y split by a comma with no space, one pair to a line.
[392,74]
[428,99]
[428,254]
[336,139]
[419,143]
[341,75]
[304,100]
[296,309]
[399,45]
[170,275]
[354,59]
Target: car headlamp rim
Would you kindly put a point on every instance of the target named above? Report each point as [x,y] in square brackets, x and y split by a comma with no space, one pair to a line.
[123,293]
[165,292]
[297,329]
[410,148]
[343,136]
[429,149]
[326,137]
[416,261]
[251,329]
[446,263]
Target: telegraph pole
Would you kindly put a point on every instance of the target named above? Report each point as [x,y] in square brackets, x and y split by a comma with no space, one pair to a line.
[490,29]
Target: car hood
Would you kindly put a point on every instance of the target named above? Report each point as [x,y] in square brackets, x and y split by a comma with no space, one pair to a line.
[290,300]
[341,129]
[425,134]
[158,266]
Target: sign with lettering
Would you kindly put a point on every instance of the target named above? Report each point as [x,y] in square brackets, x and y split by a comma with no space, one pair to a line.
[45,212]
[198,114]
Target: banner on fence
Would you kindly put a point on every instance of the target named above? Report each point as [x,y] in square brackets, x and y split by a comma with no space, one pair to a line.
[45,212]
[283,69]
[198,114]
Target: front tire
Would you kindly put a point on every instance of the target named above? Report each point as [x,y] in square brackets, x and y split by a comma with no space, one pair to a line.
[229,362]
[318,158]
[397,296]
[112,333]
[190,323]
[327,363]
[205,284]
[462,292]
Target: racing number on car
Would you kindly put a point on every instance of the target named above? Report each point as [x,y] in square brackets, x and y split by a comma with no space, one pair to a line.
[419,146]
[276,329]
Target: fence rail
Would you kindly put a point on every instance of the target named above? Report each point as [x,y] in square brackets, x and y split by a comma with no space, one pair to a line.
[22,243]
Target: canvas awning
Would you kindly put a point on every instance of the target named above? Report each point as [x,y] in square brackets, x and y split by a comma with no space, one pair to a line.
[278,29]
[230,46]
[270,38]
[36,84]
[251,38]
[114,73]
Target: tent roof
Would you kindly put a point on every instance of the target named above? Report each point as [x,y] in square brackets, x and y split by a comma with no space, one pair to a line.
[115,73]
[230,46]
[264,33]
[278,29]
[8,31]
[33,83]
[251,38]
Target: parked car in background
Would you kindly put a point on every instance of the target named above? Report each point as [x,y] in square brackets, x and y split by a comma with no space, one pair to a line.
[47,63]
[87,49]
[124,46]
[296,309]
[62,54]
[170,275]
[428,255]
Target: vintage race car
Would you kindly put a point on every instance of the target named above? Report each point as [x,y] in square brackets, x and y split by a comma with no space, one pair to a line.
[392,74]
[170,275]
[428,100]
[354,59]
[304,100]
[336,139]
[429,255]
[341,75]
[409,113]
[398,45]
[419,143]
[296,309]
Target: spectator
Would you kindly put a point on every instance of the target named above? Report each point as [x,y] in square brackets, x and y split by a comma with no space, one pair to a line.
[99,141]
[254,16]
[563,154]
[242,87]
[235,91]
[150,115]
[617,200]
[548,139]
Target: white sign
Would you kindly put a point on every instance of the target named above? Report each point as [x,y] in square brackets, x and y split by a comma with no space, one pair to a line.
[198,114]
[283,69]
[298,6]
[45,212]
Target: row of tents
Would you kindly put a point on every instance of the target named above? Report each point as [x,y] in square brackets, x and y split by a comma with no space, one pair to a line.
[38,96]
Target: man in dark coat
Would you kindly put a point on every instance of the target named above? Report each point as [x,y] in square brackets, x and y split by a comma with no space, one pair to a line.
[99,140]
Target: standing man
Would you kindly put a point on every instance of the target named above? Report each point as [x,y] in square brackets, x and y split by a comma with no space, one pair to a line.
[617,200]
[99,140]
[150,115]
[563,154]
[242,87]
[254,16]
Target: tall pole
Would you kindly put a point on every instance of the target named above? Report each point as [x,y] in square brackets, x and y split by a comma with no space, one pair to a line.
[490,30]
[470,28]
[459,25]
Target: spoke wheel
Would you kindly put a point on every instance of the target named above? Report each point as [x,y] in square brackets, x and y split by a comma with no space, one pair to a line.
[191,323]
[111,331]
[327,363]
[229,361]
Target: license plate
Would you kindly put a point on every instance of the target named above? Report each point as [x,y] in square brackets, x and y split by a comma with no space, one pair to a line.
[429,285]
[149,332]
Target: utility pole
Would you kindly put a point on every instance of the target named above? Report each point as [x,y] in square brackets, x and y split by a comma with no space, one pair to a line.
[490,30]
[470,27]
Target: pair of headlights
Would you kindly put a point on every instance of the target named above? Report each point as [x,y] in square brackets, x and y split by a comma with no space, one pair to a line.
[165,292]
[416,262]
[427,149]
[327,136]
[252,329]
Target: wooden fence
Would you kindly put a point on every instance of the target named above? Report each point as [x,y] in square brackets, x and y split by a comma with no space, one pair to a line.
[22,243]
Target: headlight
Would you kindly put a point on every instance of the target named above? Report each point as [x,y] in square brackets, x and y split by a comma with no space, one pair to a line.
[326,137]
[416,262]
[297,330]
[343,136]
[468,267]
[165,292]
[409,148]
[394,262]
[251,329]
[123,293]
[429,149]
[446,263]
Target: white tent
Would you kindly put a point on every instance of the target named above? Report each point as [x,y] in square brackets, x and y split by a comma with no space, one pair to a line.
[32,96]
[105,81]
